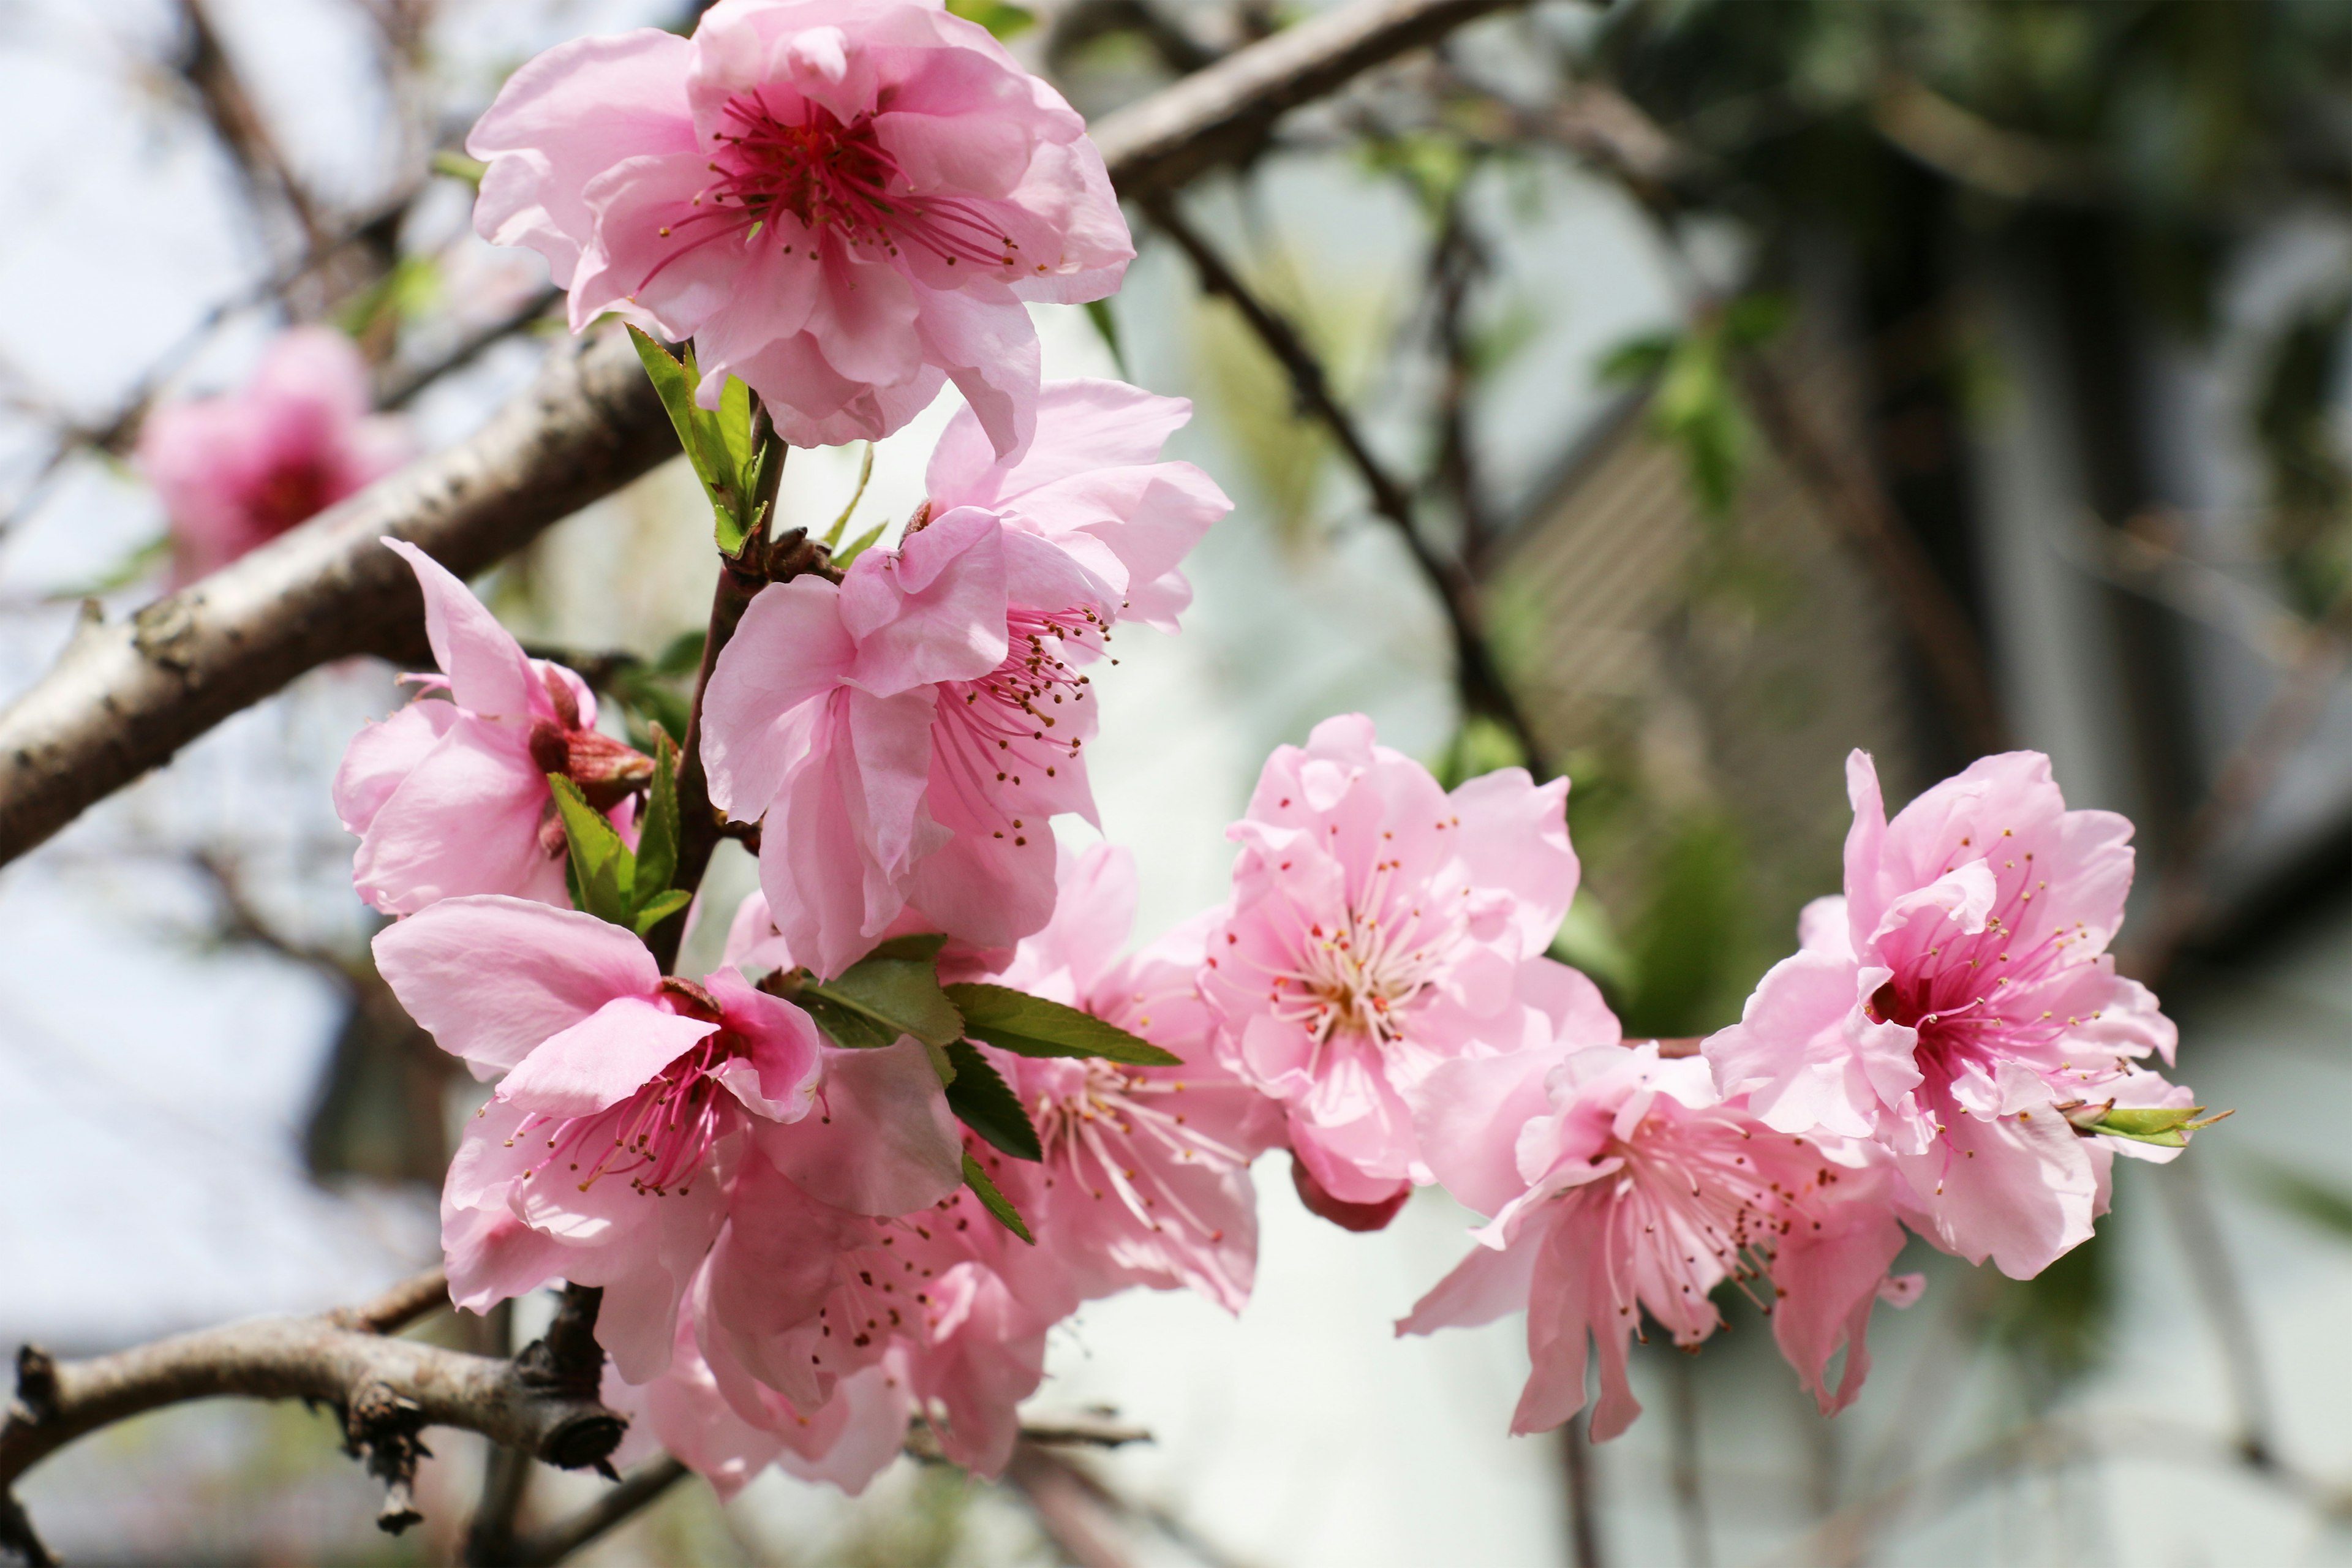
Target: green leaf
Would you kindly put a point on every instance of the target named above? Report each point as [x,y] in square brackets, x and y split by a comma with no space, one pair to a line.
[994,1202]
[657,841]
[860,545]
[1638,359]
[701,434]
[1003,19]
[984,1102]
[601,868]
[864,472]
[877,1000]
[923,947]
[1032,1026]
[659,907]
[735,429]
[2165,1126]
[458,166]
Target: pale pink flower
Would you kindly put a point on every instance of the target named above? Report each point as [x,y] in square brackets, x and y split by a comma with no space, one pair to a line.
[804,1299]
[238,470]
[843,202]
[604,1153]
[1955,999]
[1621,1184]
[1146,1175]
[909,733]
[1381,926]
[451,797]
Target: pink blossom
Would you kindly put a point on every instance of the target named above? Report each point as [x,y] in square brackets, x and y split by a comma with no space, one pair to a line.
[1621,1184]
[238,470]
[449,798]
[1956,1001]
[1146,1175]
[1381,926]
[843,202]
[626,1101]
[909,733]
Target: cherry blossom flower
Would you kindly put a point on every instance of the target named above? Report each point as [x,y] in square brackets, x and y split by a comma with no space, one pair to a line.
[1621,1183]
[1956,1002]
[451,797]
[238,470]
[1146,1175]
[605,1154]
[1381,926]
[843,202]
[909,733]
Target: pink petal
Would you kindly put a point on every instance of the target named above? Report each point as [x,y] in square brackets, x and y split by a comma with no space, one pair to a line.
[789,649]
[602,1059]
[489,675]
[883,1141]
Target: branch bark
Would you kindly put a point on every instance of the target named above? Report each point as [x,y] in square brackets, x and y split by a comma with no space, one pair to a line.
[123,699]
[387,1390]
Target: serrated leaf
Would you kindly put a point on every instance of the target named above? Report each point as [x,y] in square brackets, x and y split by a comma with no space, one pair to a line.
[994,1202]
[984,1102]
[922,946]
[1032,1026]
[877,1000]
[601,868]
[860,545]
[659,908]
[657,838]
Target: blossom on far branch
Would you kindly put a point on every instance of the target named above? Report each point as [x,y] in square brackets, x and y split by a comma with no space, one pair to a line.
[1959,1007]
[1620,1184]
[451,797]
[843,204]
[626,1101]
[1379,927]
[908,734]
[236,470]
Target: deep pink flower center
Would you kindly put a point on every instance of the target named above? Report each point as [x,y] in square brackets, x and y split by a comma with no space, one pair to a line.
[834,177]
[658,1138]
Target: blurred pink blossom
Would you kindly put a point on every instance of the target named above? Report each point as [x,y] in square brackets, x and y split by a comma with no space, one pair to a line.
[1379,927]
[1621,1184]
[238,470]
[451,797]
[909,733]
[1954,999]
[843,202]
[603,1155]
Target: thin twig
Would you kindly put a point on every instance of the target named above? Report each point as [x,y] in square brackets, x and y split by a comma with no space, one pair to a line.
[1483,690]
[1584,1494]
[1683,1475]
[639,1487]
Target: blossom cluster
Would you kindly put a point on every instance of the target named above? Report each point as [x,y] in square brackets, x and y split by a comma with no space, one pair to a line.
[924,1107]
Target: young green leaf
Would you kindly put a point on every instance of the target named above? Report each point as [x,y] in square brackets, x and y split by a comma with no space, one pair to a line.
[602,870]
[659,907]
[657,840]
[877,1000]
[922,946]
[984,1102]
[864,472]
[1032,1026]
[859,545]
[994,1202]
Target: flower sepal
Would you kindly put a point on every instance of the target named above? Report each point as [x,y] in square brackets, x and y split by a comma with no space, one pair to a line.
[2167,1126]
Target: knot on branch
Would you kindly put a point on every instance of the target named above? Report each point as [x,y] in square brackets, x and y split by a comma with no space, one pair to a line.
[794,554]
[567,1362]
[36,1386]
[382,1430]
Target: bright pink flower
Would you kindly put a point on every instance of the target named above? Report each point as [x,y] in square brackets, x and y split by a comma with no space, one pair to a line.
[1379,927]
[237,471]
[1621,1182]
[909,733]
[1956,998]
[604,1153]
[450,798]
[843,202]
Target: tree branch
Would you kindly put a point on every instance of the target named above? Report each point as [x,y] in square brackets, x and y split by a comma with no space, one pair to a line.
[387,1390]
[1483,690]
[123,699]
[640,1487]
